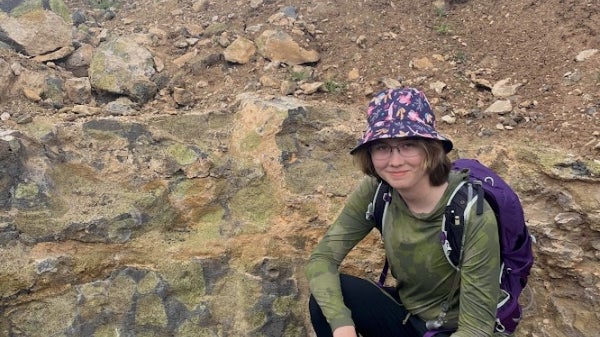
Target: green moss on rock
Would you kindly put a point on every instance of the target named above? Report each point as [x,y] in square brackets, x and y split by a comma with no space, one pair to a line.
[186,282]
[251,141]
[254,205]
[27,191]
[148,283]
[191,329]
[120,294]
[208,226]
[150,311]
[183,154]
[58,7]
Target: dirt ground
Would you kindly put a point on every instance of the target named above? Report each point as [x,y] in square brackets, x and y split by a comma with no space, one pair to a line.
[531,42]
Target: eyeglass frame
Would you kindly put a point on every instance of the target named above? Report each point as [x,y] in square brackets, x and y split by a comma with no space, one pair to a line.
[391,147]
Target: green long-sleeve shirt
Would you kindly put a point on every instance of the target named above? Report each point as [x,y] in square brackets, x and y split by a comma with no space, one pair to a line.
[417,261]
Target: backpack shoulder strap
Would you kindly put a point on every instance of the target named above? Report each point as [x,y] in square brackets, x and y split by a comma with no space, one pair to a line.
[375,211]
[453,223]
[453,236]
[377,207]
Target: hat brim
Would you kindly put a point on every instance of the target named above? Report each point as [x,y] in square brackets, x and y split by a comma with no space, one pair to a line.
[446,143]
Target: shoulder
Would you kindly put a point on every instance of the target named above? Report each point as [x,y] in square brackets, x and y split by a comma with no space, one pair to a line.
[366,188]
[358,201]
[457,176]
[455,179]
[483,225]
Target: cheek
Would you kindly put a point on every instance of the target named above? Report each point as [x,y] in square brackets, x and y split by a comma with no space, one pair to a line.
[378,165]
[419,164]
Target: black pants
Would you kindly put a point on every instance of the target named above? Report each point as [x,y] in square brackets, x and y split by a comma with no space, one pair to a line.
[375,314]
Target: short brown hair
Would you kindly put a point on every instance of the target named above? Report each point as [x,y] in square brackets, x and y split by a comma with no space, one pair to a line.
[437,164]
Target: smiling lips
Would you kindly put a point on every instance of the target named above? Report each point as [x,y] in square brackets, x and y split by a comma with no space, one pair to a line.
[398,174]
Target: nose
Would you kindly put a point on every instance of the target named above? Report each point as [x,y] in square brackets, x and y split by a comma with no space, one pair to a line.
[396,158]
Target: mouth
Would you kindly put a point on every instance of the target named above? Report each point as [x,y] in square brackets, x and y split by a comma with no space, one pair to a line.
[398,174]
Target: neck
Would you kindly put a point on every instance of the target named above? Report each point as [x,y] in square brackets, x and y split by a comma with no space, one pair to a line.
[423,200]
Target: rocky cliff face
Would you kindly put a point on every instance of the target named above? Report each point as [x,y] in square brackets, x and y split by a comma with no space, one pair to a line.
[155,227]
[130,207]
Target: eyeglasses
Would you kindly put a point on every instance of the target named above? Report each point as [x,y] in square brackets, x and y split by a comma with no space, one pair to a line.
[382,150]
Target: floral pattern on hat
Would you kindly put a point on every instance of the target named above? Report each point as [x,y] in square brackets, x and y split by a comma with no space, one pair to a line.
[401,113]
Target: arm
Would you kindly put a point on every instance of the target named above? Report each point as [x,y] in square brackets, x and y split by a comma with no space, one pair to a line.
[480,288]
[322,269]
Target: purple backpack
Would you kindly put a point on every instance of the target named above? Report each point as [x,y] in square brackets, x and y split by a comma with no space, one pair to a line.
[515,241]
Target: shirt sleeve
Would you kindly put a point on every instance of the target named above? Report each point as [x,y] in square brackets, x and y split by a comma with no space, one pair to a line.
[322,272]
[480,273]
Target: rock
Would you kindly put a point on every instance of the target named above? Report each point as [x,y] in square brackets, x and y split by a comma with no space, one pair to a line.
[192,41]
[585,55]
[391,83]
[37,31]
[122,106]
[465,113]
[6,78]
[594,218]
[569,221]
[572,77]
[269,82]
[253,29]
[56,55]
[185,58]
[353,74]
[79,90]
[278,19]
[240,51]
[502,89]
[194,29]
[563,254]
[441,5]
[85,110]
[499,107]
[361,41]
[478,81]
[290,12]
[182,96]
[288,87]
[438,87]
[449,119]
[223,40]
[17,69]
[200,5]
[254,4]
[79,61]
[31,94]
[159,64]
[214,29]
[276,45]
[421,63]
[123,67]
[311,88]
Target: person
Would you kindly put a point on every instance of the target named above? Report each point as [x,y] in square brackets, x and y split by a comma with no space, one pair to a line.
[402,146]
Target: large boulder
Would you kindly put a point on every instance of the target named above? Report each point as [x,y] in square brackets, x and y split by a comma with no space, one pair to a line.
[123,67]
[35,28]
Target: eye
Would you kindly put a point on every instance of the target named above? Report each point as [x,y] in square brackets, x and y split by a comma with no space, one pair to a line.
[380,147]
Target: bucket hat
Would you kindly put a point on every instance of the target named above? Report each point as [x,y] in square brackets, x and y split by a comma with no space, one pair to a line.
[400,113]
